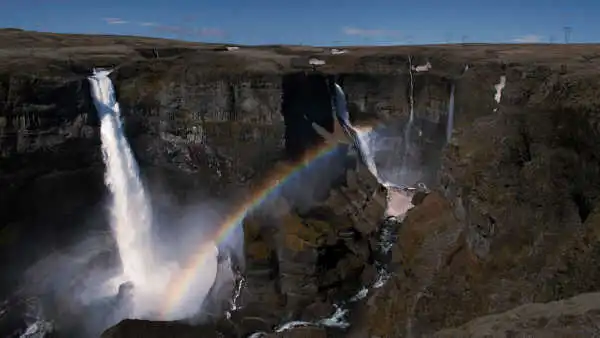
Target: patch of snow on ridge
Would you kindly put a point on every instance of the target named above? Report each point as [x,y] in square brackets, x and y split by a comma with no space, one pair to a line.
[423,68]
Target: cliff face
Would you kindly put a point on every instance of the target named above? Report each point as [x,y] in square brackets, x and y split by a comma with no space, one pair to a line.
[512,219]
[517,224]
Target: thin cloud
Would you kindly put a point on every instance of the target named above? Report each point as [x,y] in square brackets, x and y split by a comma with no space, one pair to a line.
[189,31]
[115,21]
[211,32]
[190,18]
[531,38]
[147,24]
[353,31]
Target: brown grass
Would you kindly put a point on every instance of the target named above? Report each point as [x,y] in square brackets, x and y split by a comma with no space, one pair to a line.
[19,47]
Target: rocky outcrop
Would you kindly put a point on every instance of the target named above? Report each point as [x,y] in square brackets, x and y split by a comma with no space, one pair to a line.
[132,328]
[426,237]
[573,317]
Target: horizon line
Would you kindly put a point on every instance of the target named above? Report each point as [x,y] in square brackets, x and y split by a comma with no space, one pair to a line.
[224,43]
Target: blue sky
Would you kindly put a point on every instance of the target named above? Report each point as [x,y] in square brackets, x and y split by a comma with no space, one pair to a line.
[314,22]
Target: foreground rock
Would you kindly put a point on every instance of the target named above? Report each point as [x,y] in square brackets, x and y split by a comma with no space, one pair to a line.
[426,237]
[142,328]
[574,317]
[147,329]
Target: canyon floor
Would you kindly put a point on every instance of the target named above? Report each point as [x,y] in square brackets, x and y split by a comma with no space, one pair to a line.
[504,245]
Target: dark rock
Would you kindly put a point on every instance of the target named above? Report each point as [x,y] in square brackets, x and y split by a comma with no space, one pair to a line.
[130,328]
[576,316]
[302,332]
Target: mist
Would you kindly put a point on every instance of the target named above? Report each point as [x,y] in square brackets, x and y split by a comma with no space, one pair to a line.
[82,290]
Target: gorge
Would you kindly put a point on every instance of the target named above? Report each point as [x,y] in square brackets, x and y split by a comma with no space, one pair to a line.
[507,223]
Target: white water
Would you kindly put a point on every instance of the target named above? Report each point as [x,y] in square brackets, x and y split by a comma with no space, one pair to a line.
[362,136]
[37,326]
[450,123]
[409,125]
[130,209]
[336,320]
[132,225]
[411,94]
[365,137]
[499,87]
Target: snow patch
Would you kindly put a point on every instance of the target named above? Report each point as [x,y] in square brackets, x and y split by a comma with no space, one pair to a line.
[423,68]
[336,51]
[316,62]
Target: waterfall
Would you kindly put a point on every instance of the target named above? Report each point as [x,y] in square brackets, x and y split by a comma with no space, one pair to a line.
[364,142]
[360,137]
[130,209]
[367,144]
[399,199]
[411,117]
[450,123]
[411,94]
[399,194]
[409,124]
[153,278]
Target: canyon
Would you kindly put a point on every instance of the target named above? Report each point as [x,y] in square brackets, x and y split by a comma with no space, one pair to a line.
[509,226]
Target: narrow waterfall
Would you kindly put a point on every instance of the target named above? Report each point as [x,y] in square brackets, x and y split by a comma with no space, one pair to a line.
[450,123]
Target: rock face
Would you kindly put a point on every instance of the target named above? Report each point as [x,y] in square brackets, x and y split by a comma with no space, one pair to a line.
[573,317]
[518,225]
[512,220]
[132,328]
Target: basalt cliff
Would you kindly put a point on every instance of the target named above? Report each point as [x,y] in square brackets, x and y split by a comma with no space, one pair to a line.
[509,227]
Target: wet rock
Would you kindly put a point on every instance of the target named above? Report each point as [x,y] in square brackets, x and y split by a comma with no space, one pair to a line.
[298,253]
[300,332]
[317,311]
[261,299]
[419,197]
[143,328]
[302,254]
[425,237]
[361,200]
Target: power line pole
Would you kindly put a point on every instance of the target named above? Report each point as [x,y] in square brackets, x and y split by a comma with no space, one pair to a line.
[567,30]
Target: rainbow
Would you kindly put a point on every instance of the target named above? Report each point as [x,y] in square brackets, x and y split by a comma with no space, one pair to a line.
[179,286]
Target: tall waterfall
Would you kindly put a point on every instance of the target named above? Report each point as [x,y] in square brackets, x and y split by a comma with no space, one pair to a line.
[160,287]
[409,126]
[360,137]
[450,123]
[130,209]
